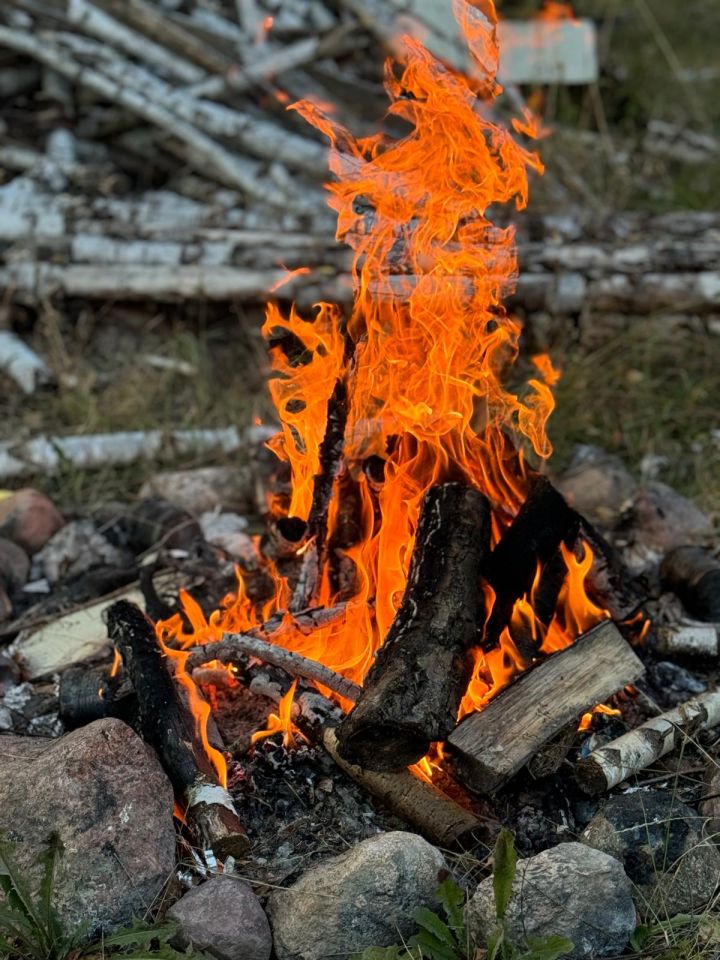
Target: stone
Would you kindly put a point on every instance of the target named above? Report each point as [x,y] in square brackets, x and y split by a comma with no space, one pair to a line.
[29,519]
[597,484]
[710,807]
[77,548]
[103,792]
[224,918]
[658,520]
[570,891]
[14,564]
[205,488]
[366,897]
[228,531]
[660,842]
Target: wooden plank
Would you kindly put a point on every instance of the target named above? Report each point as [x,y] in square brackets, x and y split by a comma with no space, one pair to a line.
[489,747]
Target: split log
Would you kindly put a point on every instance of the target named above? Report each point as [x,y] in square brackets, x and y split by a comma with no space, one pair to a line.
[620,759]
[491,746]
[413,690]
[543,522]
[435,815]
[693,575]
[168,726]
[688,640]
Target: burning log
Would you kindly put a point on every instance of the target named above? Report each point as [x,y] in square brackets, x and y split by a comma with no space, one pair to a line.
[543,522]
[168,726]
[610,765]
[693,575]
[413,690]
[491,746]
[439,818]
[87,693]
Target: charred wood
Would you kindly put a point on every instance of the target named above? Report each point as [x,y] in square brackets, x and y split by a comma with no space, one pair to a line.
[167,725]
[693,575]
[610,765]
[89,693]
[491,746]
[413,690]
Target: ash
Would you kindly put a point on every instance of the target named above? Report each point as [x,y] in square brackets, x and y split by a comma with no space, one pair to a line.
[298,807]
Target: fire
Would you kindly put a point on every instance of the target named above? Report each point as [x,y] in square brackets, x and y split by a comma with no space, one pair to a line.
[281,722]
[421,364]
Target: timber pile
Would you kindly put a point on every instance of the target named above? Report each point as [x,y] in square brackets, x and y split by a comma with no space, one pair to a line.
[150,156]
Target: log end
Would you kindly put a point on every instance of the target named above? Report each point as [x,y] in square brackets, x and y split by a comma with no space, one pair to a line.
[384,747]
[590,777]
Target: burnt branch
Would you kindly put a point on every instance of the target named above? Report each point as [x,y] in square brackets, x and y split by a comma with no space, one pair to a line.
[413,690]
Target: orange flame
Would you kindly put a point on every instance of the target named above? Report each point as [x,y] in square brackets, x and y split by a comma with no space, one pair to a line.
[281,722]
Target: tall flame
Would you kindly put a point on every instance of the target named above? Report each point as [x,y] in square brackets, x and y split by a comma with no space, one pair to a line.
[422,358]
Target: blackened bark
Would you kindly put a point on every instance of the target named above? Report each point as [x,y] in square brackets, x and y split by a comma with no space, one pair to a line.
[167,725]
[413,690]
[88,693]
[693,575]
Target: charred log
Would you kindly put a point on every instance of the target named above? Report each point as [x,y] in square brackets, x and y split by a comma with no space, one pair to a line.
[167,725]
[87,693]
[693,575]
[491,746]
[608,582]
[543,522]
[413,690]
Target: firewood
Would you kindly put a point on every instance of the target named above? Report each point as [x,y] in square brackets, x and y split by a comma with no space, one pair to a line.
[435,815]
[413,690]
[610,765]
[89,693]
[169,727]
[21,363]
[688,639]
[544,522]
[491,746]
[693,575]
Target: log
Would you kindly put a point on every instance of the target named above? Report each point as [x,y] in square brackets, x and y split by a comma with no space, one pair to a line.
[413,690]
[88,693]
[167,725]
[435,815]
[688,639]
[21,363]
[693,575]
[543,522]
[491,746]
[610,765]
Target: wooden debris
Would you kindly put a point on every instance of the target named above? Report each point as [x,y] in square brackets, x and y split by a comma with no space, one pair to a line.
[489,747]
[693,575]
[620,759]
[439,818]
[688,639]
[169,727]
[413,690]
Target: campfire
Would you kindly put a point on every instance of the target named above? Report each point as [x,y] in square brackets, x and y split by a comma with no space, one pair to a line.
[446,609]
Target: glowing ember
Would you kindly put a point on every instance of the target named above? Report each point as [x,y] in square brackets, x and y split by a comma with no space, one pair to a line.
[422,362]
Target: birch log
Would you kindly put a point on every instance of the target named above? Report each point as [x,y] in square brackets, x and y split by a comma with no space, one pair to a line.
[620,759]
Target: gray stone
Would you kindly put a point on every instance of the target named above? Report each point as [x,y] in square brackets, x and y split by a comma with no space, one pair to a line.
[77,548]
[570,891]
[366,897]
[29,519]
[102,791]
[674,683]
[205,488]
[224,918]
[14,564]
[597,484]
[660,842]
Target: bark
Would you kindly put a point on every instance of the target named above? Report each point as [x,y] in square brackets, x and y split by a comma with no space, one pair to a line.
[693,575]
[688,640]
[21,363]
[89,693]
[169,728]
[413,690]
[489,747]
[620,759]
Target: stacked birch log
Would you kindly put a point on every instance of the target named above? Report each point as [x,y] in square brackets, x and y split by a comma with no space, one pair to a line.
[148,154]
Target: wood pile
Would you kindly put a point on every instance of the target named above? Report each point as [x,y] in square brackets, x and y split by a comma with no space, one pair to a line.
[149,154]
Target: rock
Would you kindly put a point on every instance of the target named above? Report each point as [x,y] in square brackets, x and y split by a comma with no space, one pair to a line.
[228,531]
[77,548]
[674,684]
[710,808]
[366,897]
[29,519]
[223,917]
[14,564]
[597,484]
[658,520]
[206,488]
[570,891]
[102,791]
[6,607]
[660,842]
